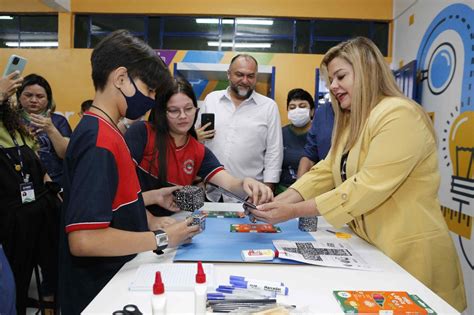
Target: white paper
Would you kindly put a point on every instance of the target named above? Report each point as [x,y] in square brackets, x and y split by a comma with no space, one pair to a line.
[176,277]
[222,207]
[321,253]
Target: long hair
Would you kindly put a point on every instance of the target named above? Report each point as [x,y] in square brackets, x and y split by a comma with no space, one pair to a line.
[373,80]
[11,117]
[160,124]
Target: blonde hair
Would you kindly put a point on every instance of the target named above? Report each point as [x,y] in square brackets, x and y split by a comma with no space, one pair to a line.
[373,80]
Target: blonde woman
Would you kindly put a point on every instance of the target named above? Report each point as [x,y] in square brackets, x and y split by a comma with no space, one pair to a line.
[381,175]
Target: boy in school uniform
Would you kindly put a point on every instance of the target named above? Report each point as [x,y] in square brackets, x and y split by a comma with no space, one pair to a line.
[104,221]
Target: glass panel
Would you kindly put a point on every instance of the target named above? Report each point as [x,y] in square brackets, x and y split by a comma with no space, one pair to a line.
[9,23]
[321,47]
[248,26]
[190,43]
[38,40]
[154,28]
[8,40]
[341,29]
[380,36]
[192,25]
[96,38]
[109,23]
[81,31]
[264,45]
[302,36]
[36,24]
[228,29]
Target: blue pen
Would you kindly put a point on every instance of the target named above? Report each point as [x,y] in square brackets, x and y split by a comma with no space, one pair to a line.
[223,296]
[234,290]
[247,283]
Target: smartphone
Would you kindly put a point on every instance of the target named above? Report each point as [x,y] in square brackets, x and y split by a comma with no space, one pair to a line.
[14,63]
[206,118]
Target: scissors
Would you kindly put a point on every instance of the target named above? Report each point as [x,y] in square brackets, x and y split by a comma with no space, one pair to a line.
[129,309]
[246,204]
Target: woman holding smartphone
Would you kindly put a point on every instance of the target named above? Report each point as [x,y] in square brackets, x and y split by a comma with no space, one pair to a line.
[52,130]
[170,130]
[29,205]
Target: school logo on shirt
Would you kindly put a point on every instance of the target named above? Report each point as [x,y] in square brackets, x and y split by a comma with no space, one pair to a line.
[188,166]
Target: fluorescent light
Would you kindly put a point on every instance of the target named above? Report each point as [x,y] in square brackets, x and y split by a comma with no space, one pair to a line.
[207,21]
[32,44]
[254,22]
[240,45]
[231,21]
[6,17]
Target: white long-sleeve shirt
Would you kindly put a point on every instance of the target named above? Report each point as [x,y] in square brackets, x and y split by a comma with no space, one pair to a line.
[248,139]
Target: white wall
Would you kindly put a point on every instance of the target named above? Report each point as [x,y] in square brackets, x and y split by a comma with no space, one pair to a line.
[441,38]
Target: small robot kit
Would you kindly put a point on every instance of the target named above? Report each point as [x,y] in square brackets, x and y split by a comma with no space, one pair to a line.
[189,198]
[254,228]
[198,219]
[308,224]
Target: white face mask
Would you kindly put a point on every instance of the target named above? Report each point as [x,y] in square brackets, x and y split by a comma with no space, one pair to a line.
[299,116]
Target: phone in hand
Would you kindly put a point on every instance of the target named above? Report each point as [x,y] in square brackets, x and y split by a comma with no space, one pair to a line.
[206,118]
[14,63]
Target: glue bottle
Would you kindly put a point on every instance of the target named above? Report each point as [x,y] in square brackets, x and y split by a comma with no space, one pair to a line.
[158,300]
[200,291]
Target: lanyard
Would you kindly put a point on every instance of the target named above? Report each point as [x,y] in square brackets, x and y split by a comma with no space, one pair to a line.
[18,167]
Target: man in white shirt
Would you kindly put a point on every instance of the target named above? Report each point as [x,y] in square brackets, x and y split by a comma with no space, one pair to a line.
[247,138]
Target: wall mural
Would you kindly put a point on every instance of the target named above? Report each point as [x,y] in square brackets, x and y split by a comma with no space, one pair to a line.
[446,62]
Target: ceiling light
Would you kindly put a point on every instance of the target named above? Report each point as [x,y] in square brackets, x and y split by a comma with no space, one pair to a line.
[231,21]
[32,44]
[6,17]
[240,45]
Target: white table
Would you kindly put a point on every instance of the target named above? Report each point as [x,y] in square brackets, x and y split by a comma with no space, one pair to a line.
[310,287]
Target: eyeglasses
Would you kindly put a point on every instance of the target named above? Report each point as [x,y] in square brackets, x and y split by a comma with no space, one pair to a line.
[176,112]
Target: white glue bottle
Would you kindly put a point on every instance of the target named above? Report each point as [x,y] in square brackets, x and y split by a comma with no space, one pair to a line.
[158,299]
[200,291]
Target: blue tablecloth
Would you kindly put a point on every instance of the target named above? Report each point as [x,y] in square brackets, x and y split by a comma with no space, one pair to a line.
[217,244]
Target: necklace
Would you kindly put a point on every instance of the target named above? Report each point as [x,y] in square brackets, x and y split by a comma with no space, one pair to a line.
[111,120]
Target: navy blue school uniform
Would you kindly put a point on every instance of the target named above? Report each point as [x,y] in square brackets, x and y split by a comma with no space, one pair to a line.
[101,190]
[184,163]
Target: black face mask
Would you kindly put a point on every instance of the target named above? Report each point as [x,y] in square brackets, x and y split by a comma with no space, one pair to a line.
[137,104]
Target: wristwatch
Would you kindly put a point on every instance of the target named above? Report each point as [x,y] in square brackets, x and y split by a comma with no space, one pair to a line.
[161,241]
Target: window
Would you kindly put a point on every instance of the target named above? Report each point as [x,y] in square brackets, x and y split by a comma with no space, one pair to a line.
[28,31]
[279,35]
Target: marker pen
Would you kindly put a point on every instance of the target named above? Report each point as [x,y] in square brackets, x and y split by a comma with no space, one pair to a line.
[247,283]
[242,291]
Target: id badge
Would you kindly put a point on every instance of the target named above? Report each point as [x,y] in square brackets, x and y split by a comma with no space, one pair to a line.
[27,192]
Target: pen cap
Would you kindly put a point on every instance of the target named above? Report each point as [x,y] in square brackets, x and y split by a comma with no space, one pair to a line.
[200,276]
[158,287]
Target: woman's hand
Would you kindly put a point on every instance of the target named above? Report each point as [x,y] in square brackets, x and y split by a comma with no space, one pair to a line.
[42,123]
[181,232]
[202,134]
[164,198]
[156,223]
[258,192]
[275,212]
[9,85]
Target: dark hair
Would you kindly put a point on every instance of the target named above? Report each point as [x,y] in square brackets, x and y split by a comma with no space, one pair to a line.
[11,117]
[86,105]
[160,124]
[245,56]
[122,49]
[33,79]
[300,94]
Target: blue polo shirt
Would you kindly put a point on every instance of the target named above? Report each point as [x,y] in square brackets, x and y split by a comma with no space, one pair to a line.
[101,190]
[318,140]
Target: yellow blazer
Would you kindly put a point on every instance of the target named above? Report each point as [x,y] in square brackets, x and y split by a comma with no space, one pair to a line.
[390,196]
